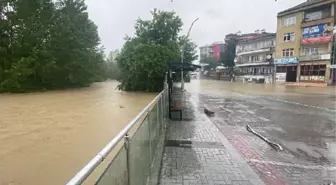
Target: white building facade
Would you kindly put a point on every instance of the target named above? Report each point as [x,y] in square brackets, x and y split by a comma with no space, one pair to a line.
[206,52]
[254,58]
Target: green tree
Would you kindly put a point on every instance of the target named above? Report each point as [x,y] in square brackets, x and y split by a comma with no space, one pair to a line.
[212,63]
[143,59]
[79,58]
[189,55]
[47,45]
[112,70]
[26,27]
[190,49]
[228,56]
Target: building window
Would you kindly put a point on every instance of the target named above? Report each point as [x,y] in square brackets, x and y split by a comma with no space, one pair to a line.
[288,52]
[254,46]
[310,51]
[290,21]
[281,69]
[254,58]
[289,37]
[312,72]
[313,16]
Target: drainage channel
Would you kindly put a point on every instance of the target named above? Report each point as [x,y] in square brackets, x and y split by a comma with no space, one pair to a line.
[193,144]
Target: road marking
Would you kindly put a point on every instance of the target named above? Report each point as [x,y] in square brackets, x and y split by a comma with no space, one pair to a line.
[263,119]
[317,167]
[285,101]
[296,103]
[226,109]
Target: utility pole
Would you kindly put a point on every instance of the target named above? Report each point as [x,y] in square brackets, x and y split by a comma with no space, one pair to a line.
[182,53]
[333,57]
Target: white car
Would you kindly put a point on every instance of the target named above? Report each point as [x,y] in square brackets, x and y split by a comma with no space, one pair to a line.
[193,74]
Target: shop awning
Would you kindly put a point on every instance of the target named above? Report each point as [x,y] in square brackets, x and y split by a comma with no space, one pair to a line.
[178,66]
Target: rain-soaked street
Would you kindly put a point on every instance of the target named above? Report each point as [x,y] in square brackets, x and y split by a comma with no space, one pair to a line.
[300,119]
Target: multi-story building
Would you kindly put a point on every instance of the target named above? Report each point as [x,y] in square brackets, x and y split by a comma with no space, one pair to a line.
[304,42]
[255,57]
[206,52]
[218,47]
[212,51]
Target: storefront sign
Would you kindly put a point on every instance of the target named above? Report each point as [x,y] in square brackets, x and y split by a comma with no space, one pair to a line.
[312,78]
[313,31]
[280,77]
[315,40]
[313,16]
[333,66]
[286,60]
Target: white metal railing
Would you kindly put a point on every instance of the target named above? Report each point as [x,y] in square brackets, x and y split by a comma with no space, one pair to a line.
[255,50]
[155,113]
[242,63]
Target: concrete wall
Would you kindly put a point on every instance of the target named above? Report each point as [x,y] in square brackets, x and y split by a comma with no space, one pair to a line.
[282,29]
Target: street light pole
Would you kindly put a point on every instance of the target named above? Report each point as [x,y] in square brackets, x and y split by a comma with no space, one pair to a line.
[182,52]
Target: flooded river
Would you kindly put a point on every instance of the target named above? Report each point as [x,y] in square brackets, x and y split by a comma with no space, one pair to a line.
[45,138]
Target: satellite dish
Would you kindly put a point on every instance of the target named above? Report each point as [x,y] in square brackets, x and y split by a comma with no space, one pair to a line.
[269,56]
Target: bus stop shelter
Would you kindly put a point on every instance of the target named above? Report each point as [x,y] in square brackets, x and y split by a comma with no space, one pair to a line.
[177,67]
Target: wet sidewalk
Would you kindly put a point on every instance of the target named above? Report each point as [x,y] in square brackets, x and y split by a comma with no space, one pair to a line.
[196,152]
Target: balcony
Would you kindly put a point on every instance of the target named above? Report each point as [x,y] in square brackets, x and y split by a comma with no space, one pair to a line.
[252,63]
[314,57]
[252,51]
[317,40]
[325,20]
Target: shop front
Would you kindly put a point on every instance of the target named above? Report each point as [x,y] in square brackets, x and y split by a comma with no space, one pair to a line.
[259,72]
[317,45]
[313,72]
[286,69]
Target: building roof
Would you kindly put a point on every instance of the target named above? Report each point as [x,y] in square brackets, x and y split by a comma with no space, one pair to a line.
[300,6]
[211,45]
[255,36]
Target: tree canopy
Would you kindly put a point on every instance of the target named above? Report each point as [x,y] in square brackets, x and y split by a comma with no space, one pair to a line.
[47,44]
[144,57]
[112,70]
[228,56]
[211,61]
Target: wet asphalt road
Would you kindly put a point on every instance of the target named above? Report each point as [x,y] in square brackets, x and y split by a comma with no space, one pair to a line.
[300,119]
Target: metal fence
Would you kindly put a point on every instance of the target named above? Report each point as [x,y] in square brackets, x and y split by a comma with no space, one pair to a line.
[139,159]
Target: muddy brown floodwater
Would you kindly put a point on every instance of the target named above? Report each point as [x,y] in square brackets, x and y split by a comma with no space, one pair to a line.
[45,138]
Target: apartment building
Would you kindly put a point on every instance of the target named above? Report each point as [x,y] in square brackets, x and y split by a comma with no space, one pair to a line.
[304,42]
[206,52]
[254,57]
[212,51]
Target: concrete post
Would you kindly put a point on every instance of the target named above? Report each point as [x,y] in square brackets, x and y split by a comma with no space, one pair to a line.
[332,9]
[298,72]
[327,74]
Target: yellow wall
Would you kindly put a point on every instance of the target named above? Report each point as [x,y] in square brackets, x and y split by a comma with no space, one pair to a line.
[282,29]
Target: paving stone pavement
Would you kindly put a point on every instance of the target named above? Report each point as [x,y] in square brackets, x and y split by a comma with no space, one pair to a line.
[202,162]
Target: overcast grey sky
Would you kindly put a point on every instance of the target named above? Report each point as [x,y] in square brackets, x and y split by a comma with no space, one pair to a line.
[115,18]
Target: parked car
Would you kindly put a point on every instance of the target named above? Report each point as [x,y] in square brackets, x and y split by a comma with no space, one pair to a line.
[193,75]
